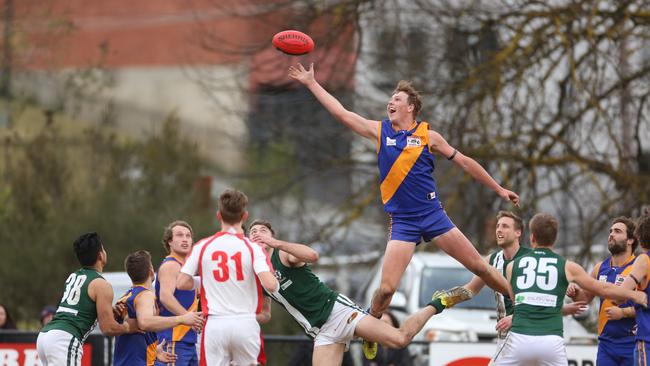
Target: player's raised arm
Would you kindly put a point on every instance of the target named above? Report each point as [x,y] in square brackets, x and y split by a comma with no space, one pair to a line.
[360,125]
[294,254]
[440,145]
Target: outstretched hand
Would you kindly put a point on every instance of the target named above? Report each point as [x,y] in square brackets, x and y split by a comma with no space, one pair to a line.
[301,74]
[574,308]
[509,195]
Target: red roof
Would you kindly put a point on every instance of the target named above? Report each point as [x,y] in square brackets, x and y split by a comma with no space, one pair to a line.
[57,34]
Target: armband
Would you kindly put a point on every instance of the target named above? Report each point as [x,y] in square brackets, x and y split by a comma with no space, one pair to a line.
[453,155]
[438,305]
[638,283]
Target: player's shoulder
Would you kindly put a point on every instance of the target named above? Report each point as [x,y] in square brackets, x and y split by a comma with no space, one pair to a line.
[494,255]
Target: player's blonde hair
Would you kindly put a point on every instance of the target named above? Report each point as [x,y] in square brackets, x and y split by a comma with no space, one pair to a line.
[168,234]
[519,224]
[413,95]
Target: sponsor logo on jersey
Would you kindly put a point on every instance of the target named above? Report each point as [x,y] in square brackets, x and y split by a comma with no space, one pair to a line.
[413,141]
[352,317]
[286,284]
[390,141]
[536,299]
[619,280]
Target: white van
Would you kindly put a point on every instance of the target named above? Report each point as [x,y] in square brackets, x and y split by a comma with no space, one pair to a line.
[120,281]
[471,321]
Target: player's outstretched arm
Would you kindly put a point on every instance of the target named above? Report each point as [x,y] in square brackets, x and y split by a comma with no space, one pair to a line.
[148,321]
[101,292]
[353,121]
[440,145]
[294,254]
[575,273]
[574,308]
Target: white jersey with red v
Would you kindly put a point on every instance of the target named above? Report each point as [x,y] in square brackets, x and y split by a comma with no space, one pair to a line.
[228,264]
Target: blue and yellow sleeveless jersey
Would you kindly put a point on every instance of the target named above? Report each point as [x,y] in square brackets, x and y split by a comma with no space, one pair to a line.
[643,314]
[137,349]
[188,299]
[406,168]
[616,331]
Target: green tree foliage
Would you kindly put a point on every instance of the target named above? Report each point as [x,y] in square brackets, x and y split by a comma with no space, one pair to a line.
[57,185]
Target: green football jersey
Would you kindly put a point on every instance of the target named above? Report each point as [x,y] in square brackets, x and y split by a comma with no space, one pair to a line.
[539,285]
[498,261]
[77,313]
[304,296]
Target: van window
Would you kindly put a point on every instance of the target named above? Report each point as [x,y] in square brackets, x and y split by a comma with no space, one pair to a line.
[436,278]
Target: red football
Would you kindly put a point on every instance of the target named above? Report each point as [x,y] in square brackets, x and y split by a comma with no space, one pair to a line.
[293,42]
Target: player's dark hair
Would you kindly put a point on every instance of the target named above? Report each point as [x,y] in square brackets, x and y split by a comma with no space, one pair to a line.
[87,248]
[642,231]
[629,229]
[137,266]
[519,223]
[168,234]
[232,206]
[543,227]
[413,95]
[9,322]
[263,223]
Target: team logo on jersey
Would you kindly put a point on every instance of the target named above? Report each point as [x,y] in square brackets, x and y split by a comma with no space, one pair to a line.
[286,284]
[352,317]
[413,141]
[602,278]
[390,141]
[278,275]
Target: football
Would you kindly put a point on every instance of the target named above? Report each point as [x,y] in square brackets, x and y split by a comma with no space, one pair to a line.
[293,42]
